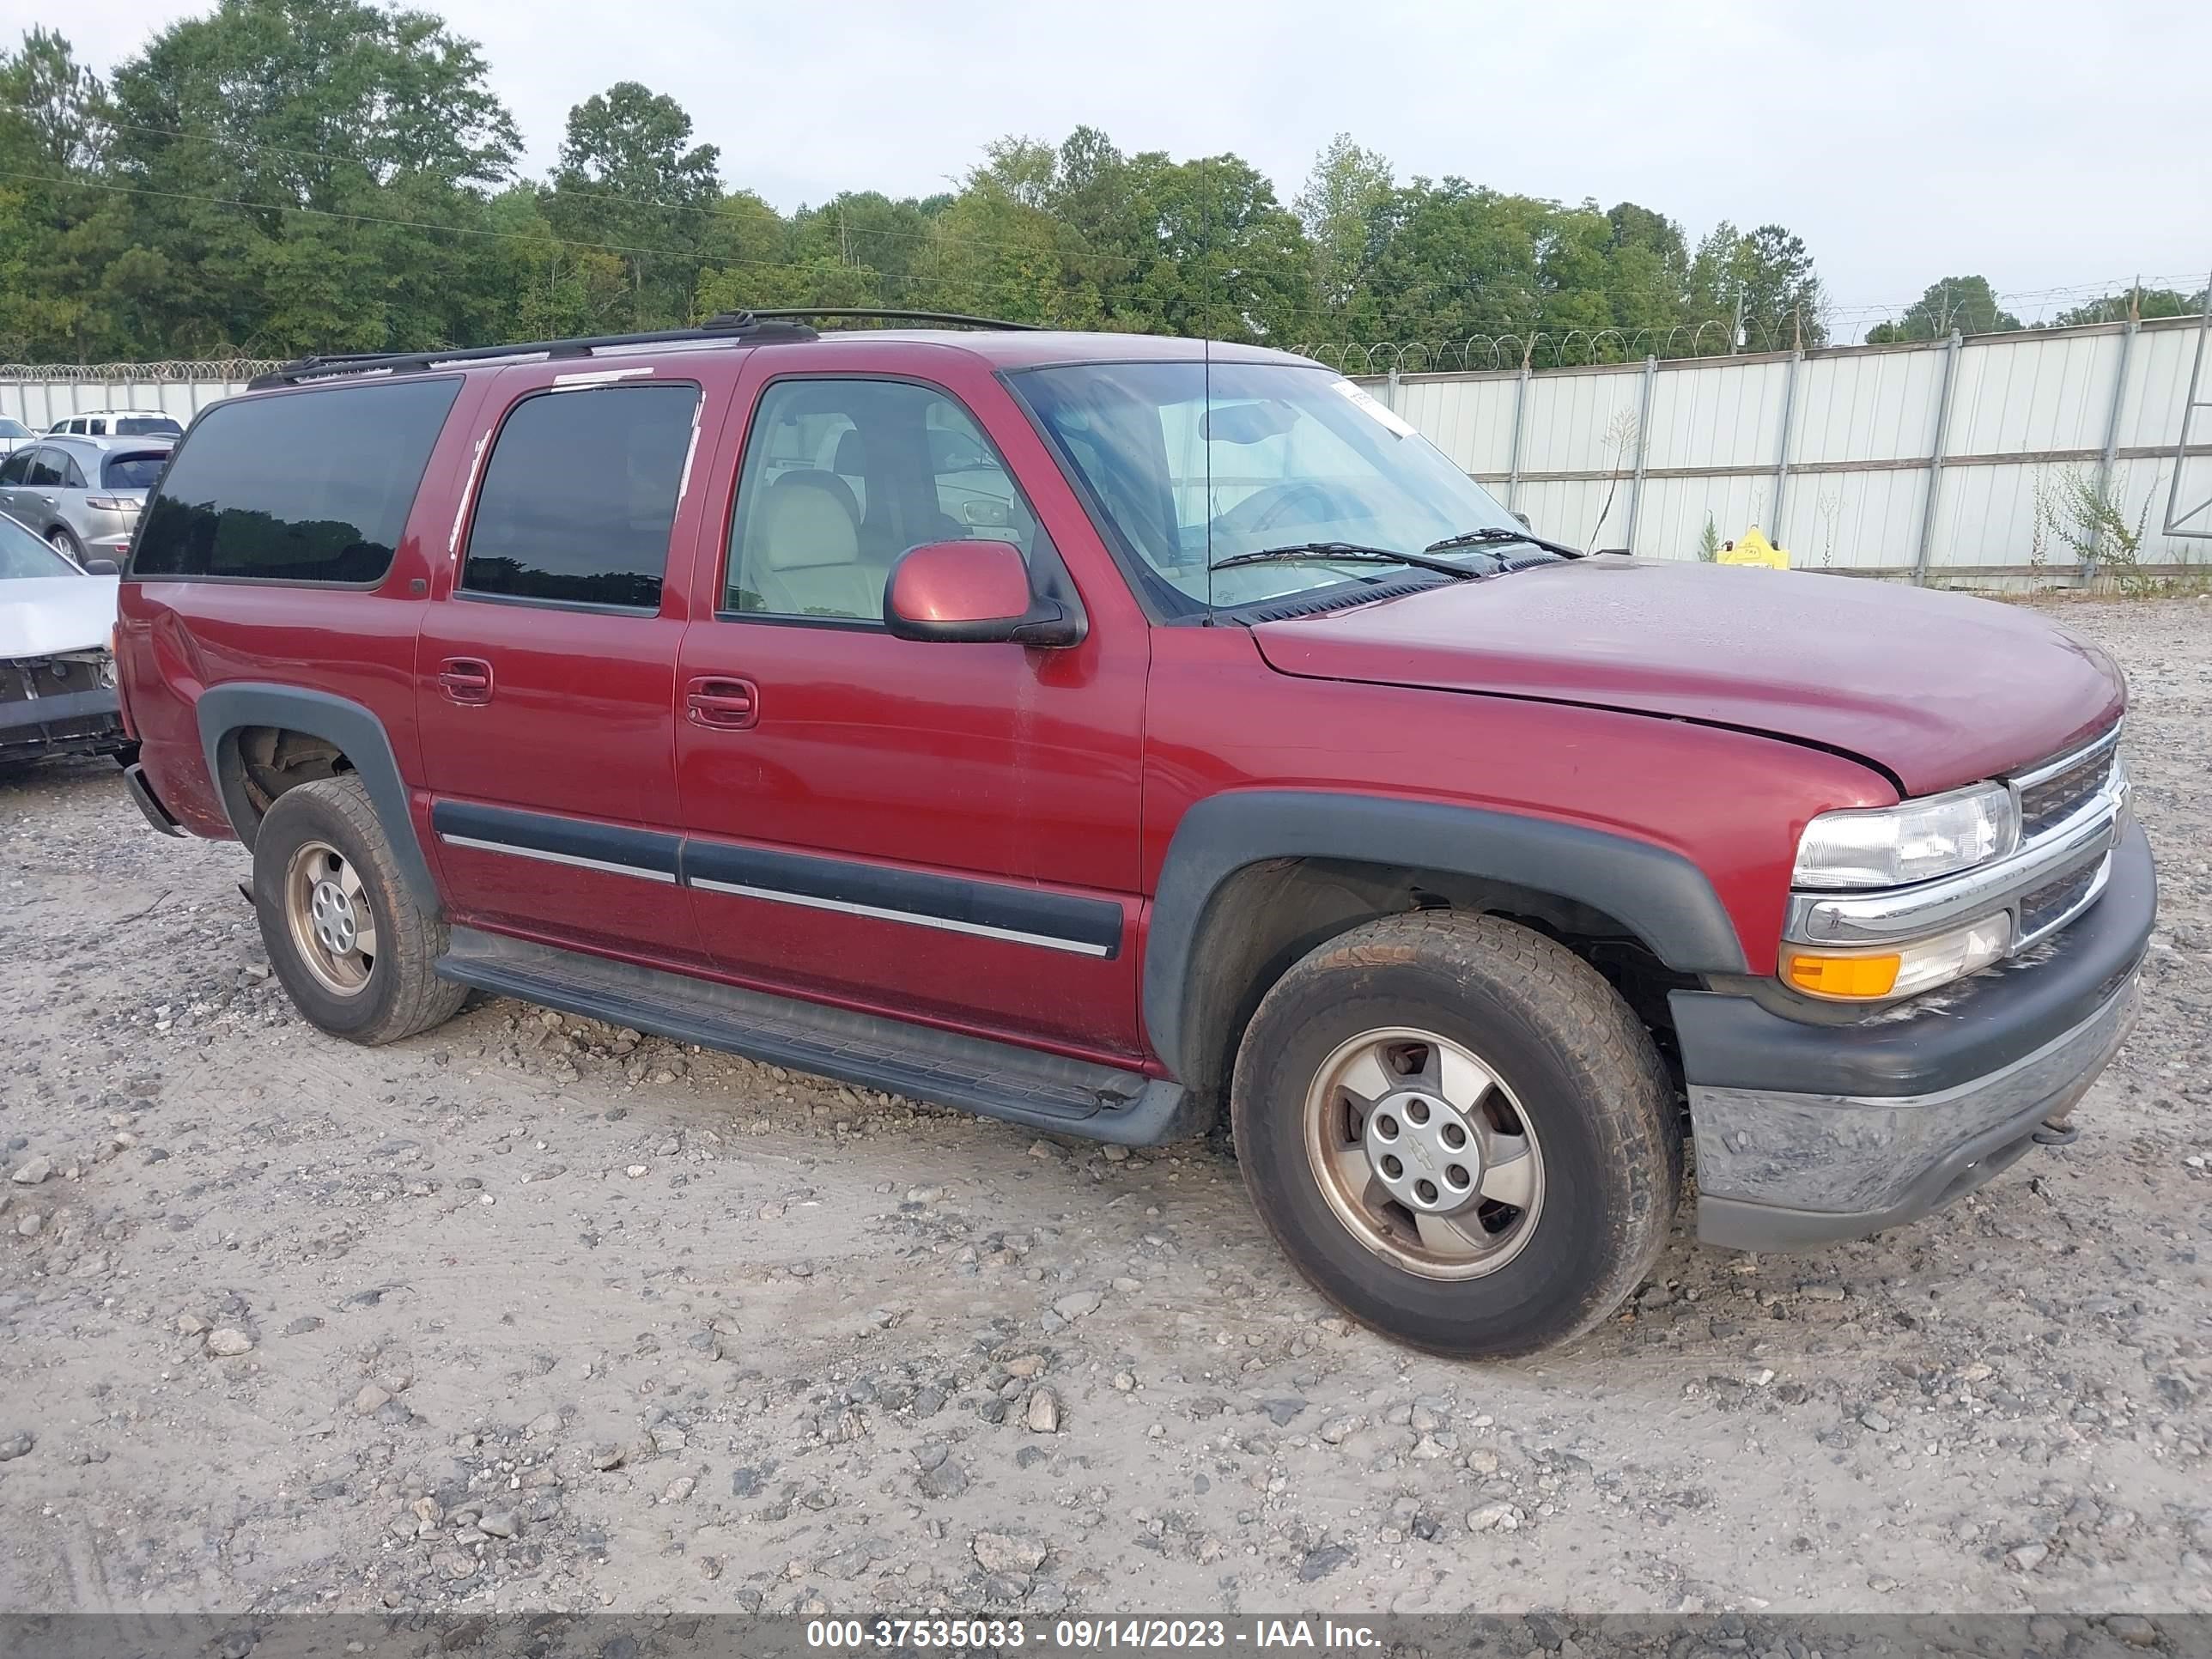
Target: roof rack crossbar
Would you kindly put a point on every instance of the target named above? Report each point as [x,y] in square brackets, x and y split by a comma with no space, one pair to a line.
[890,314]
[751,327]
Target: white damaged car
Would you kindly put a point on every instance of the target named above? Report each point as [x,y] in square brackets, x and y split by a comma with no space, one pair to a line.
[57,677]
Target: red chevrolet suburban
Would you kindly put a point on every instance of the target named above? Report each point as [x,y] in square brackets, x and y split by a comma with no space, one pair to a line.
[1093,730]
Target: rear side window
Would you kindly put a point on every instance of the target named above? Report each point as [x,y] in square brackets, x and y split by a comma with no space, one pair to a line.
[313,487]
[125,470]
[579,494]
[148,426]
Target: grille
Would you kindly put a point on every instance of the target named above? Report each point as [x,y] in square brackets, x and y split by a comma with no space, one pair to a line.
[2048,803]
[2051,903]
[21,680]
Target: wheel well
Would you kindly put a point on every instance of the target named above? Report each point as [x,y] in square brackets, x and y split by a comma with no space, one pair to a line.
[1267,916]
[268,760]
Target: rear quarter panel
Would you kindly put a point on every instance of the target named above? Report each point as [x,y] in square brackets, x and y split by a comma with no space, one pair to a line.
[177,637]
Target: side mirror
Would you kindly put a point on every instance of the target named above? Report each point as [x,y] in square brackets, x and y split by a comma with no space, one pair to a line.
[972,593]
[1524,517]
[102,568]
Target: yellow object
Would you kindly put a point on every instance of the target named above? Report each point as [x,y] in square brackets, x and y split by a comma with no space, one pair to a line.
[1753,549]
[1842,976]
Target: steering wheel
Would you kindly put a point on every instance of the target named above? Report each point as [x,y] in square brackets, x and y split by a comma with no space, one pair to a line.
[1264,509]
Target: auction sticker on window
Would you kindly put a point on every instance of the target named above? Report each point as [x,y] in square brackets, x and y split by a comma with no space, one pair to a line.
[1374,410]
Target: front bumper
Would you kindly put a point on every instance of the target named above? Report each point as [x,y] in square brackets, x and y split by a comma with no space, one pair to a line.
[70,722]
[1807,1134]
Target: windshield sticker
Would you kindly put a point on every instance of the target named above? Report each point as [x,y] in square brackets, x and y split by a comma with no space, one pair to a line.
[1358,396]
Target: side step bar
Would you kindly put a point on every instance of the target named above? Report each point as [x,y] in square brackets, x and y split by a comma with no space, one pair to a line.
[993,1080]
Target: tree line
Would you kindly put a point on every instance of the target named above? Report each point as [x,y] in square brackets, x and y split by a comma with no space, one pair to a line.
[290,176]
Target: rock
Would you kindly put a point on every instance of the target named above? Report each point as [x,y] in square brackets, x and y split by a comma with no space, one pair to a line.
[608,1457]
[1338,1429]
[545,1423]
[1281,1411]
[947,1480]
[2027,1557]
[15,1445]
[1874,1421]
[32,1170]
[1074,1305]
[500,1523]
[454,1564]
[1004,1552]
[1493,1517]
[2134,1629]
[1043,1412]
[679,1489]
[1025,1365]
[1320,1563]
[228,1342]
[370,1400]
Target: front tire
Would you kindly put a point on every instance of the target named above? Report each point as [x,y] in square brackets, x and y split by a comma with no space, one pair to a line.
[1458,1133]
[343,931]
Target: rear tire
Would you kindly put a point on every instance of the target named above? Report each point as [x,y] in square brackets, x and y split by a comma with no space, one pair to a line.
[1458,1133]
[343,931]
[63,541]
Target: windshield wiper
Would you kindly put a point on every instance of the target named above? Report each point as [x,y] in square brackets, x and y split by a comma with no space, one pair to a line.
[1345,553]
[1492,535]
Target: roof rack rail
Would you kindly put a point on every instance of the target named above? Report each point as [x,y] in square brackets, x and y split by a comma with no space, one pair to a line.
[751,327]
[887,314]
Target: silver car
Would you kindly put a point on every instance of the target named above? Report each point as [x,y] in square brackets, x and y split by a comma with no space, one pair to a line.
[82,495]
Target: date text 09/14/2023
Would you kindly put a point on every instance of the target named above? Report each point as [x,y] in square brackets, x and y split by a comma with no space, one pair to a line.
[930,1631]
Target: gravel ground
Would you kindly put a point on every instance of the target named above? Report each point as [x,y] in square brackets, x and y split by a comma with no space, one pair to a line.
[533,1313]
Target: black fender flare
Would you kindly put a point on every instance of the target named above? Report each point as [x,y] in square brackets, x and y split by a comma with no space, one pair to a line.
[1658,894]
[224,709]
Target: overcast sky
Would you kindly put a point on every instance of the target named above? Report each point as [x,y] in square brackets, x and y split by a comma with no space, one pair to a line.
[2045,146]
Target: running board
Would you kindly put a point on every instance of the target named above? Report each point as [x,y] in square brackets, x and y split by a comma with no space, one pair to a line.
[993,1080]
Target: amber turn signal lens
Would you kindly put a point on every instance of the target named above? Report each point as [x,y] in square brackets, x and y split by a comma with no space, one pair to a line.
[1844,976]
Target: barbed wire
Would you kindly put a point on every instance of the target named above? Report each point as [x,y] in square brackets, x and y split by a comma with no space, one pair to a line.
[1575,348]
[173,370]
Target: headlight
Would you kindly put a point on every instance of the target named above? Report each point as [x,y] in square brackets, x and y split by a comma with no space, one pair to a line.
[1902,970]
[1912,841]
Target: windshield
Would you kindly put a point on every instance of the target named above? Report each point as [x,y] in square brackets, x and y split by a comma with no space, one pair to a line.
[147,426]
[14,429]
[1284,454]
[134,469]
[23,555]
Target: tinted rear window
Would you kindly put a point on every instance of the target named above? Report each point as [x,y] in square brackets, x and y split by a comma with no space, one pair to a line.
[148,426]
[125,471]
[314,486]
[579,496]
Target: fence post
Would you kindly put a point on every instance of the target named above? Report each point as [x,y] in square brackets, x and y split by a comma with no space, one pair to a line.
[1782,457]
[2088,572]
[1520,405]
[1643,445]
[1390,391]
[1936,457]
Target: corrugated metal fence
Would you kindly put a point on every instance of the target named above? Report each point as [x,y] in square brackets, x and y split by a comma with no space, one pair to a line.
[1892,458]
[39,396]
[1924,457]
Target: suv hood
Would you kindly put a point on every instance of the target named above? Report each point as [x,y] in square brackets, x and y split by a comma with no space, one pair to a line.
[45,616]
[1938,689]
